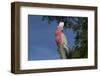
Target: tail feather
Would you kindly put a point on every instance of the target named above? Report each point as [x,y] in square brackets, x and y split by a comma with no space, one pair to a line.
[66,49]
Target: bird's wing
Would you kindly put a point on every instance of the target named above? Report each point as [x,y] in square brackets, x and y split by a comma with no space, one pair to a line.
[64,38]
[65,43]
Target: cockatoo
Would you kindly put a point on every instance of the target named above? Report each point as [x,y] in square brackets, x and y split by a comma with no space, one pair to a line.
[60,37]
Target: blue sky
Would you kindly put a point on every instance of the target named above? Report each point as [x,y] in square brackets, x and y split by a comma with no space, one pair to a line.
[41,39]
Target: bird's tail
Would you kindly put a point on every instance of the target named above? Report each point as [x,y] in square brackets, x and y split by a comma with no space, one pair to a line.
[66,49]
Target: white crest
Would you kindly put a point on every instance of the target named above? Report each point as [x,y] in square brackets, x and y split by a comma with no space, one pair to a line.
[61,24]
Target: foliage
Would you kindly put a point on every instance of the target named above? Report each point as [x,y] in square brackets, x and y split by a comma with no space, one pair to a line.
[81,43]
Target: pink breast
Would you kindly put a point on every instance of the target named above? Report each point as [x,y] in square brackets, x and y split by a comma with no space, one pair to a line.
[58,37]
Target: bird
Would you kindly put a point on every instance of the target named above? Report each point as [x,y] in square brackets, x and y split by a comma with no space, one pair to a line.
[62,41]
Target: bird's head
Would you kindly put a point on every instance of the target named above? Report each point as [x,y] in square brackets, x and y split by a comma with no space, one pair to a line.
[60,26]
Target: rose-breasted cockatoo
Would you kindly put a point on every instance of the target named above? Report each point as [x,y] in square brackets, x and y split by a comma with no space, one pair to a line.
[61,39]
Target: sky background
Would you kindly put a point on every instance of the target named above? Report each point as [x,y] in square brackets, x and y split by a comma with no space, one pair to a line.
[41,39]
